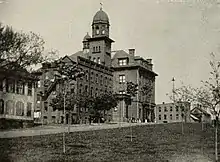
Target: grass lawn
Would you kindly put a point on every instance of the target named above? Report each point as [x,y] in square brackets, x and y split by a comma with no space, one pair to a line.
[152,143]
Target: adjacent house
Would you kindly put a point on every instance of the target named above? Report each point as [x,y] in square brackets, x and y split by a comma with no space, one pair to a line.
[198,114]
[17,98]
[172,112]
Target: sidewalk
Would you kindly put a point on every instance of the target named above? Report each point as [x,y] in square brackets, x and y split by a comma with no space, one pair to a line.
[47,129]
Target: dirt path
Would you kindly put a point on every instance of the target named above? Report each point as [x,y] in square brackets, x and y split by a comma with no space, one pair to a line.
[59,129]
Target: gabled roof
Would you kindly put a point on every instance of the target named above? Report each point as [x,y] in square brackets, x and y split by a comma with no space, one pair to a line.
[79,53]
[120,54]
[197,110]
[133,64]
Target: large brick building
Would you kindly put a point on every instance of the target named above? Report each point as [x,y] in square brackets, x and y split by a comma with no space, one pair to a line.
[107,73]
[131,68]
[170,112]
[47,87]
[94,60]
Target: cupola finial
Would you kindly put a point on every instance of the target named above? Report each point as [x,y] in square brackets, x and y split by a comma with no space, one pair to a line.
[101,4]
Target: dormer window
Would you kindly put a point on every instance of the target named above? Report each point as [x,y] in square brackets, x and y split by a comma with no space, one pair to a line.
[123,61]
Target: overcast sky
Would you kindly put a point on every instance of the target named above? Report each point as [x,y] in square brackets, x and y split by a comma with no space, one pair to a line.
[178,35]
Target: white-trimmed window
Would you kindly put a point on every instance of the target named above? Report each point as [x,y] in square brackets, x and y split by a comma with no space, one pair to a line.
[165,109]
[20,87]
[159,117]
[10,107]
[165,117]
[123,61]
[177,116]
[121,78]
[19,108]
[171,117]
[171,108]
[39,84]
[159,109]
[10,86]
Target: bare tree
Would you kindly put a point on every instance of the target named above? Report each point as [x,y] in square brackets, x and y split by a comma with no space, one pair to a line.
[183,97]
[209,95]
[66,100]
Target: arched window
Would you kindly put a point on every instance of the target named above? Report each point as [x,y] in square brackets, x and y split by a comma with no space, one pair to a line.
[97,30]
[10,107]
[19,108]
[1,106]
[29,109]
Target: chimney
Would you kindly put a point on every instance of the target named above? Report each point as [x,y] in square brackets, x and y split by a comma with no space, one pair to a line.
[149,61]
[131,51]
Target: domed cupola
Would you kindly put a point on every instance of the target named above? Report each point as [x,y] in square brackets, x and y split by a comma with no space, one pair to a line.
[87,36]
[100,24]
[86,43]
[100,17]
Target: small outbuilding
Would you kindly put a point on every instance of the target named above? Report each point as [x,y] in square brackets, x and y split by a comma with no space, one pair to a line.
[198,114]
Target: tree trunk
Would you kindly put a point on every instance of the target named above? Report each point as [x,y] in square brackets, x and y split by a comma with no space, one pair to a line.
[99,116]
[216,139]
[131,131]
[69,123]
[64,125]
[182,126]
[104,116]
[202,123]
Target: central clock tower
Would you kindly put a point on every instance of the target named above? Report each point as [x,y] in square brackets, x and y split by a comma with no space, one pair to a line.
[100,43]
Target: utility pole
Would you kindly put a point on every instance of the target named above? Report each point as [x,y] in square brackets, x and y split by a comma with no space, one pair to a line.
[64,119]
[173,80]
